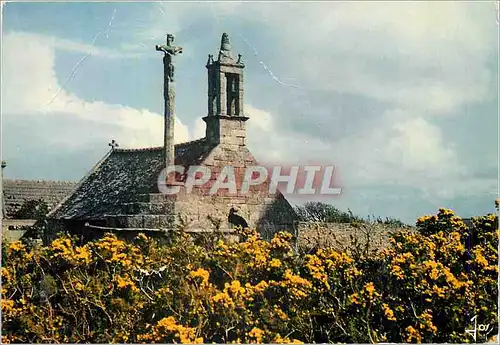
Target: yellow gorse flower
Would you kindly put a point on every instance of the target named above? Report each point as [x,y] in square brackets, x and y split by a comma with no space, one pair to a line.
[413,334]
[446,212]
[5,275]
[389,314]
[370,288]
[125,282]
[200,273]
[257,334]
[234,288]
[426,322]
[354,298]
[16,247]
[295,284]
[275,263]
[278,339]
[167,328]
[224,299]
[63,248]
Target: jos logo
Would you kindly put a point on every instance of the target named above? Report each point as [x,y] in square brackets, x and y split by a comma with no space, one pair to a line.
[480,329]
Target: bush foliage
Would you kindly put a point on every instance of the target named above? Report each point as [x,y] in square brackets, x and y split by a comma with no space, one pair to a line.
[424,288]
[32,209]
[314,211]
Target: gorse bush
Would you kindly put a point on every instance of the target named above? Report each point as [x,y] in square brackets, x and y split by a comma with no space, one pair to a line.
[425,287]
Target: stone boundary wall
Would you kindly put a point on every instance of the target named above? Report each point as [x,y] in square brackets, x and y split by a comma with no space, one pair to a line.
[342,235]
[14,229]
[17,192]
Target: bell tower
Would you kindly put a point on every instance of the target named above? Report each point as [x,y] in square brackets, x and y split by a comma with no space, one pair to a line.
[225,119]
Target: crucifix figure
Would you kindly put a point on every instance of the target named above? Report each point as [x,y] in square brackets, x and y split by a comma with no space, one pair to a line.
[169,51]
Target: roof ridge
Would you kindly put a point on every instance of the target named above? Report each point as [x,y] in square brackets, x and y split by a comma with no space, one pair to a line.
[157,147]
[138,149]
[41,181]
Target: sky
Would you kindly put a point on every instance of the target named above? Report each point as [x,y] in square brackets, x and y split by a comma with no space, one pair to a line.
[402,97]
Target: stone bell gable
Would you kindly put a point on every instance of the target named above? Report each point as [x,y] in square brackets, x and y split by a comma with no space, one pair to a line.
[225,119]
[121,193]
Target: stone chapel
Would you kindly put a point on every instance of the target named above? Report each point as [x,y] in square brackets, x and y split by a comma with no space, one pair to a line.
[120,194]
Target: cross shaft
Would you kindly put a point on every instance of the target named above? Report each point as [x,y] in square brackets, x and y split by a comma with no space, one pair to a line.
[169,96]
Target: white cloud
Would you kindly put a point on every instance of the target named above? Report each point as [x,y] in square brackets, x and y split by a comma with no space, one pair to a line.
[421,146]
[93,50]
[198,129]
[260,119]
[407,152]
[31,88]
[430,56]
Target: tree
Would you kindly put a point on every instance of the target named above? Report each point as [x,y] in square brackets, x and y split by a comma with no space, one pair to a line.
[32,209]
[322,212]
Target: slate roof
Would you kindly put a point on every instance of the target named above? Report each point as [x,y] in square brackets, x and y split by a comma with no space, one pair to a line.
[17,192]
[121,176]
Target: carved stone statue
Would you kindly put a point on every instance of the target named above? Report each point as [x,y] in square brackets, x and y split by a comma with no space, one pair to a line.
[225,47]
[169,50]
[224,44]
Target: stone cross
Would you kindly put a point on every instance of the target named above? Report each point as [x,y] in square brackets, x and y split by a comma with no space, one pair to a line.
[113,144]
[169,52]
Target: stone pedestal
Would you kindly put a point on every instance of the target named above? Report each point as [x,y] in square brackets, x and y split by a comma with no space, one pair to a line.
[230,130]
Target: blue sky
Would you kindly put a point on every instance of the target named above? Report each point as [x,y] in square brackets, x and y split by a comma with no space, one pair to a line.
[401,97]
